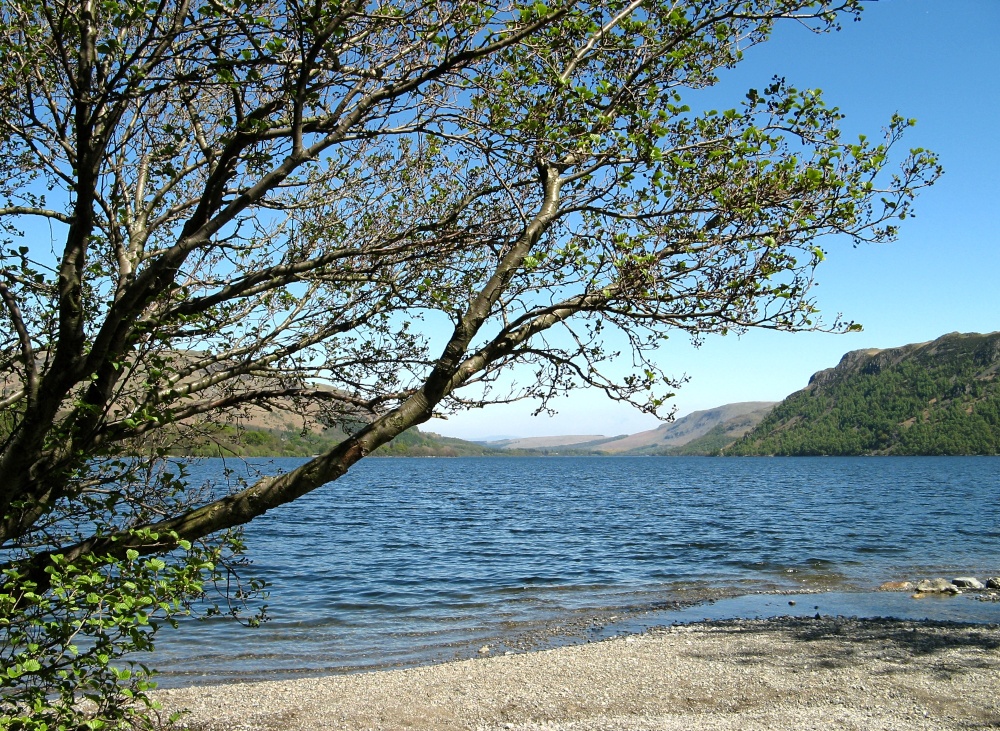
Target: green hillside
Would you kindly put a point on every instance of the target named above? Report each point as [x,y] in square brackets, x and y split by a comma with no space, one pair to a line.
[941,397]
[415,443]
[224,441]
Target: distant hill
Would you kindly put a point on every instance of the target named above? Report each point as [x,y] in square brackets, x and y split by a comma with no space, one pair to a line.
[668,437]
[416,443]
[279,428]
[940,397]
[719,436]
[226,440]
[569,440]
[283,428]
[730,422]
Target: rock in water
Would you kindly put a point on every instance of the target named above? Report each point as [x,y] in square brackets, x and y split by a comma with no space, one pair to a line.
[896,586]
[993,582]
[936,586]
[967,582]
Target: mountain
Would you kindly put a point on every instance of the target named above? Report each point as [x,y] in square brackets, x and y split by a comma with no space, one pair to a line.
[939,397]
[667,437]
[727,423]
[719,436]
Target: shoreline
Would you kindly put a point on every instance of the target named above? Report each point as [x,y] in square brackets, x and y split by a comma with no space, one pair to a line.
[576,628]
[782,673]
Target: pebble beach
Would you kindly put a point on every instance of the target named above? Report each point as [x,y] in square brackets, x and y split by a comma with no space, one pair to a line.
[751,675]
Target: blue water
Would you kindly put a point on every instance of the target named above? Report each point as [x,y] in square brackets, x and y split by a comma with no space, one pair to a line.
[414,560]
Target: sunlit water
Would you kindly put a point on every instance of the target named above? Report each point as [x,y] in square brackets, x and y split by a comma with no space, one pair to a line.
[413,560]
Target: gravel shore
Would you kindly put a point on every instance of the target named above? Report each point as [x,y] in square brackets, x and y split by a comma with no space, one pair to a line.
[746,675]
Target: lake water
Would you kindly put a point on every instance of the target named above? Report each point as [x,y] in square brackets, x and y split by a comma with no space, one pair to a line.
[407,561]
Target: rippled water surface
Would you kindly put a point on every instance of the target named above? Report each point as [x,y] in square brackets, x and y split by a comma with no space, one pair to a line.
[410,560]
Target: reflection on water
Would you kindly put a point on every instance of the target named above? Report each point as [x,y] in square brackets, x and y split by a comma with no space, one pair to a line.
[410,560]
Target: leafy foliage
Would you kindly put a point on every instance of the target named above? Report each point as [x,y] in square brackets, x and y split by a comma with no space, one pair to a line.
[932,399]
[58,645]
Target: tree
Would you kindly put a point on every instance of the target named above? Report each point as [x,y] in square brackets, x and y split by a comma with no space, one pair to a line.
[369,213]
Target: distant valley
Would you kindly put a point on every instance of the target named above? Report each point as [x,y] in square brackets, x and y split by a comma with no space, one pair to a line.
[675,437]
[939,397]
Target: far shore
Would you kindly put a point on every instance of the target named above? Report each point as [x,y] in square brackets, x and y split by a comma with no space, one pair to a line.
[748,675]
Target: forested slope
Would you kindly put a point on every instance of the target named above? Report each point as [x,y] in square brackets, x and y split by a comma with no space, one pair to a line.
[941,397]
[227,441]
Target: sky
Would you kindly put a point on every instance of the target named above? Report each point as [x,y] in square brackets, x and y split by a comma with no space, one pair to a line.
[938,62]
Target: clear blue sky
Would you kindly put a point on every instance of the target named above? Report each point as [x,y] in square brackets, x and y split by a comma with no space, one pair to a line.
[936,61]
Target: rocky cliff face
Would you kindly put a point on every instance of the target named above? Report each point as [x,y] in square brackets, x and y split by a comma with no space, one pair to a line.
[938,397]
[983,350]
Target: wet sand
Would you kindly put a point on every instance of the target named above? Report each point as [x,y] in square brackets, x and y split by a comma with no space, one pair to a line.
[784,673]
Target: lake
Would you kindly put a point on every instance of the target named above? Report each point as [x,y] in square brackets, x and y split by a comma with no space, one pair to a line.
[408,561]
